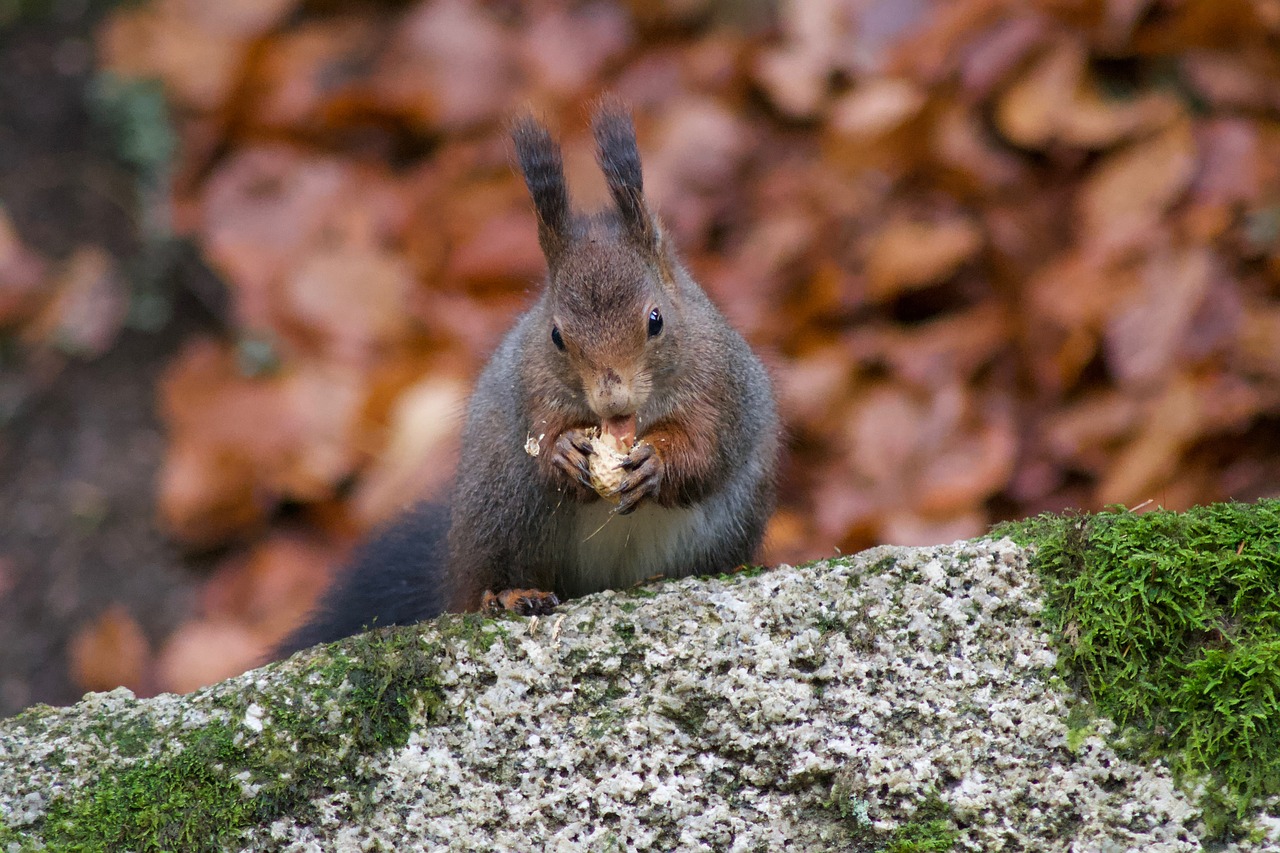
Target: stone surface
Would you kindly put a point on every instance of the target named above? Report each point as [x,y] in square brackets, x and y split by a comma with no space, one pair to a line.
[834,706]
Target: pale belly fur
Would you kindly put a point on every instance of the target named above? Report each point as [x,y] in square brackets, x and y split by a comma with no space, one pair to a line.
[609,551]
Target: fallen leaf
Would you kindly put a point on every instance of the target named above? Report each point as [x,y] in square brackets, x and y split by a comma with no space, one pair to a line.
[419,455]
[263,209]
[450,66]
[1086,432]
[353,298]
[914,529]
[878,124]
[565,49]
[1145,333]
[86,308]
[795,74]
[1057,101]
[309,78]
[270,589]
[111,651]
[907,254]
[22,276]
[240,444]
[969,466]
[885,435]
[205,651]
[1122,201]
[198,66]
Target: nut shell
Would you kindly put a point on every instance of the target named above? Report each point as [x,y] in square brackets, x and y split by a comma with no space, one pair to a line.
[608,452]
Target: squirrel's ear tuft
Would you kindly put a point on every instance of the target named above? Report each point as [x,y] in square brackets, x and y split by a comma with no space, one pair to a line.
[620,162]
[543,169]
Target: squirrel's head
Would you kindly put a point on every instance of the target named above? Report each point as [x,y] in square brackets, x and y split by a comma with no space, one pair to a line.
[612,307]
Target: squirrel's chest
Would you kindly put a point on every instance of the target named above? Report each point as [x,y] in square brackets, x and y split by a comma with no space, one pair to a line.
[602,550]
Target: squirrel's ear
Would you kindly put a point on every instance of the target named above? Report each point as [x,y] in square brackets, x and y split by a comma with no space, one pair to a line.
[620,162]
[543,169]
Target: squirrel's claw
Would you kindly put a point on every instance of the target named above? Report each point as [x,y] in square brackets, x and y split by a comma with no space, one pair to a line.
[644,480]
[524,602]
[569,455]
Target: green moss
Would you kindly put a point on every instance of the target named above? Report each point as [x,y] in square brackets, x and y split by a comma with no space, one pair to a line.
[934,836]
[478,633]
[933,831]
[1080,725]
[201,788]
[1170,623]
[746,571]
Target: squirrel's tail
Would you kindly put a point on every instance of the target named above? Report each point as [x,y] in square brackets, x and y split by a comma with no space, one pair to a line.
[396,578]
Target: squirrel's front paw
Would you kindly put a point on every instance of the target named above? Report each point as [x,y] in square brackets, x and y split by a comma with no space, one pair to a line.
[643,478]
[570,458]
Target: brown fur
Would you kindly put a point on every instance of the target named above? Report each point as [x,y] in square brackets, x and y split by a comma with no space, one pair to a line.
[699,487]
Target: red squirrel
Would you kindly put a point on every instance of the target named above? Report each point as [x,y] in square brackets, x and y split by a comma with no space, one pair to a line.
[622,340]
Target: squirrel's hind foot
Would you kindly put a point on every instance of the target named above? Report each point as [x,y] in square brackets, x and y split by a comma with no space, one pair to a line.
[524,602]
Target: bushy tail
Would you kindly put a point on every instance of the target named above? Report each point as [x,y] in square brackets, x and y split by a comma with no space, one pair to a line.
[396,578]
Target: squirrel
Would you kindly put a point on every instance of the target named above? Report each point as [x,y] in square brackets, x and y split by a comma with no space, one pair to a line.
[623,341]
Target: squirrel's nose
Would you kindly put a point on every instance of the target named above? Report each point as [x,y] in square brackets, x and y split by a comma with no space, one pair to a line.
[610,395]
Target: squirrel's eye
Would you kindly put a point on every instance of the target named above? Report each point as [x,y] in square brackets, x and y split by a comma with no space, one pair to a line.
[655,322]
[559,341]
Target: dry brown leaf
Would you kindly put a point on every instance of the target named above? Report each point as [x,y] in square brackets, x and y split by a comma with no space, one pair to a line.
[1122,201]
[209,495]
[566,48]
[1145,332]
[240,444]
[1056,101]
[263,208]
[22,276]
[1151,459]
[795,74]
[450,66]
[813,387]
[971,465]
[698,146]
[997,52]
[205,651]
[86,308]
[944,351]
[240,18]
[499,253]
[1189,408]
[911,529]
[789,538]
[1224,24]
[420,452]
[353,298]
[886,433]
[270,589]
[1085,433]
[269,208]
[880,124]
[111,651]
[847,515]
[198,66]
[1258,347]
[945,39]
[907,254]
[309,77]
[962,144]
[1231,171]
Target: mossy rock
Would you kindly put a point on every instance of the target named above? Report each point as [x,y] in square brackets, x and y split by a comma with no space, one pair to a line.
[902,699]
